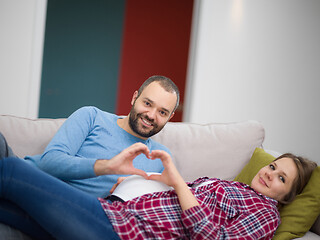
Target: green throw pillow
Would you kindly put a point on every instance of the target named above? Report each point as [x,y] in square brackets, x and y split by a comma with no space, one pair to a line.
[297,217]
[258,160]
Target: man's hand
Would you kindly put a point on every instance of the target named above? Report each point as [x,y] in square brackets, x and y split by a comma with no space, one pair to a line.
[123,162]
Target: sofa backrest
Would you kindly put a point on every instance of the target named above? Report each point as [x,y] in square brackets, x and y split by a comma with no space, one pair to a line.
[214,150]
[28,136]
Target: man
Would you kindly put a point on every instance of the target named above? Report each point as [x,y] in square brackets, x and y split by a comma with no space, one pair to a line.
[90,137]
[78,152]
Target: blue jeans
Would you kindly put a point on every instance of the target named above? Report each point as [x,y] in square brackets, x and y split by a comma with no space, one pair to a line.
[60,209]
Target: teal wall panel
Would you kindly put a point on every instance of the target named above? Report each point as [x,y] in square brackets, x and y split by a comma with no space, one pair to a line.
[81,56]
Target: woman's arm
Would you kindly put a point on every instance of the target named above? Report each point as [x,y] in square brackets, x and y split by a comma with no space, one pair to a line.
[199,219]
[260,224]
[172,177]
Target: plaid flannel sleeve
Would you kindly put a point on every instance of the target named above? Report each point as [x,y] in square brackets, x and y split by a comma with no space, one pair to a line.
[198,221]
[258,225]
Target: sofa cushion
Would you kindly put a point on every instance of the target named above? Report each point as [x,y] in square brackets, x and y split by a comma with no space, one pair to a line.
[258,160]
[27,136]
[297,217]
[9,233]
[198,149]
[213,150]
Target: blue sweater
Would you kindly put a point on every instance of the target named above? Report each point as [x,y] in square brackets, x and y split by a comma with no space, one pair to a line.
[87,135]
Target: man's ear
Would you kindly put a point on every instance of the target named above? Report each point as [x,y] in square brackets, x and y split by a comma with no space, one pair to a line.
[172,114]
[134,97]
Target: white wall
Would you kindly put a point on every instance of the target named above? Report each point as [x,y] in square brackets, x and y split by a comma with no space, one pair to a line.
[22,25]
[259,59]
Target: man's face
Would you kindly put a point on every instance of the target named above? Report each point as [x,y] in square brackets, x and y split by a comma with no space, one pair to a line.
[151,110]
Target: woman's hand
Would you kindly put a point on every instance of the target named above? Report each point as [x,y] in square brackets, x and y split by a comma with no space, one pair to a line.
[119,180]
[123,162]
[170,174]
[172,177]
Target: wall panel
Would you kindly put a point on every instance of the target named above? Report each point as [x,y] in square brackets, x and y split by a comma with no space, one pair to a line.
[156,42]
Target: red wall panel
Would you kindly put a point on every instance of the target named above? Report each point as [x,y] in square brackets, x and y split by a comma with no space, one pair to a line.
[155,42]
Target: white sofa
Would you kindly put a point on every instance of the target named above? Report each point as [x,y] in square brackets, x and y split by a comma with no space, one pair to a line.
[216,150]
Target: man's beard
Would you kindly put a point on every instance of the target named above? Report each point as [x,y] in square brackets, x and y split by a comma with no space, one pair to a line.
[134,125]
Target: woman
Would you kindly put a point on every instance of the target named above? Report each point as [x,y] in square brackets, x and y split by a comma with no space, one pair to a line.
[206,208]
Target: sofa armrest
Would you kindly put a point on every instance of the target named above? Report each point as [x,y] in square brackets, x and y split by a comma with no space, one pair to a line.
[309,236]
[7,232]
[316,226]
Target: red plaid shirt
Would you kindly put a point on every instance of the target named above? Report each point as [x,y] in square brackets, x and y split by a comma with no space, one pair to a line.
[228,210]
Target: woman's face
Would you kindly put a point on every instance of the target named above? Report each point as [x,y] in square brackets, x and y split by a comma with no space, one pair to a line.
[276,179]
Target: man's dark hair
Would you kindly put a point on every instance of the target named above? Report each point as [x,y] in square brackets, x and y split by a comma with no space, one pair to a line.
[164,82]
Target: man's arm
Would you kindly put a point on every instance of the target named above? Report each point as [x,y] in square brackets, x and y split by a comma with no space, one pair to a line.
[123,162]
[59,158]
